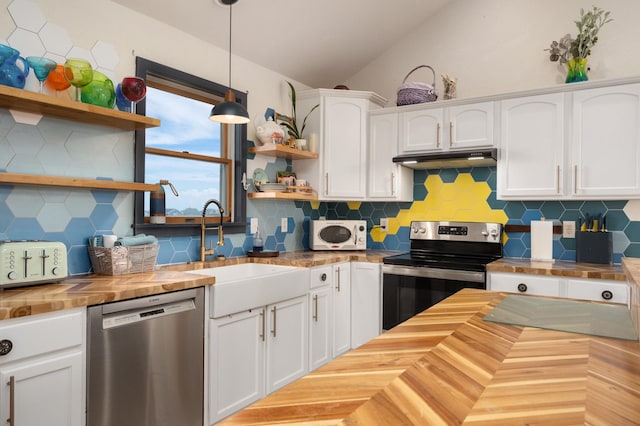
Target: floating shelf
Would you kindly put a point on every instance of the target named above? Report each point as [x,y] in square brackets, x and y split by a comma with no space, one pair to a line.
[71,182]
[270,195]
[283,151]
[36,103]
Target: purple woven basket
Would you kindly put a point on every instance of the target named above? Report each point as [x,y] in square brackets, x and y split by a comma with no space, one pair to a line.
[417,93]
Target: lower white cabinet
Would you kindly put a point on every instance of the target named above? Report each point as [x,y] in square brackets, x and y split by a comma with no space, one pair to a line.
[341,308]
[366,302]
[583,289]
[524,284]
[255,352]
[320,317]
[42,378]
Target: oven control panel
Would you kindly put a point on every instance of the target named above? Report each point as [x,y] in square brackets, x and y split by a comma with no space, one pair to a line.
[456,231]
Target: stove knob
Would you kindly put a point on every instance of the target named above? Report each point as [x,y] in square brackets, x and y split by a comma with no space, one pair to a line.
[493,232]
[485,233]
[423,230]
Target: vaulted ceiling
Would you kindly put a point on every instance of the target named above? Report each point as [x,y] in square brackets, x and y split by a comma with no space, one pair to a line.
[320,43]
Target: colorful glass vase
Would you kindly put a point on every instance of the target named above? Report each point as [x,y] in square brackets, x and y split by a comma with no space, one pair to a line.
[10,73]
[99,91]
[576,70]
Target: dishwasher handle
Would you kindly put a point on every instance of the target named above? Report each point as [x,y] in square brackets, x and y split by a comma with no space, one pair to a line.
[149,301]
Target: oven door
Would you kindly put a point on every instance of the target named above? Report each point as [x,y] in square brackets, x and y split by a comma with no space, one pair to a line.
[409,290]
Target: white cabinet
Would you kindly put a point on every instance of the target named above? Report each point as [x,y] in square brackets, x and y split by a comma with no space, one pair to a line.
[341,123]
[447,128]
[598,290]
[573,288]
[606,142]
[387,181]
[321,317]
[525,284]
[531,154]
[366,302]
[42,378]
[255,352]
[580,144]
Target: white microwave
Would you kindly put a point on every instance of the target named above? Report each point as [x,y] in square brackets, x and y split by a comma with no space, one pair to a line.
[338,235]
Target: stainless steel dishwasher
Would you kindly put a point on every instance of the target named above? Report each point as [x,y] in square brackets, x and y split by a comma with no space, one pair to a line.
[145,361]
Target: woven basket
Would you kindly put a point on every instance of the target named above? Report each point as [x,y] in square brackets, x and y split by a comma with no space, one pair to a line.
[121,260]
[417,93]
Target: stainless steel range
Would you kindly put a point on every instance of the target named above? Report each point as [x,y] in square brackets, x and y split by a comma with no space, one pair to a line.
[444,258]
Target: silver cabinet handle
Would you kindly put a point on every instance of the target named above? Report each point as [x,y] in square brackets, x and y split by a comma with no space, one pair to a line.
[393,183]
[12,402]
[315,302]
[338,272]
[274,322]
[326,184]
[557,179]
[438,136]
[575,179]
[264,325]
[451,139]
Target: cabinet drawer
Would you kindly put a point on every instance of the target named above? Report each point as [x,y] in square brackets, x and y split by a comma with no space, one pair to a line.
[320,276]
[525,284]
[39,334]
[598,290]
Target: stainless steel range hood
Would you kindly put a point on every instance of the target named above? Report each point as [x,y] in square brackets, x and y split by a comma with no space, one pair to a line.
[449,159]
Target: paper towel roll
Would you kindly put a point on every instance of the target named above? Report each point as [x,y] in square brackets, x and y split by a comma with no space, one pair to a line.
[542,240]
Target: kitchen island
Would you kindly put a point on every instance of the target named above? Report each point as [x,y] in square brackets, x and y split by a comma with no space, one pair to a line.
[448,366]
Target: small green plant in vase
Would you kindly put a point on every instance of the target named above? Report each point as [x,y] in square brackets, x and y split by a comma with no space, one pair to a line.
[574,51]
[291,125]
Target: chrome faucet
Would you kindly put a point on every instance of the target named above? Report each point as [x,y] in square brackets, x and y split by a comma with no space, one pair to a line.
[203,228]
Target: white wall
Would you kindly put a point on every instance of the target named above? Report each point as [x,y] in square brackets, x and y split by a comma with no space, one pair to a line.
[497,46]
[133,34]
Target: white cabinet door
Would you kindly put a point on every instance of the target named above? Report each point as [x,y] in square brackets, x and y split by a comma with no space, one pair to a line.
[598,290]
[606,142]
[525,284]
[341,308]
[344,155]
[471,126]
[320,327]
[236,369]
[287,353]
[531,155]
[366,289]
[387,181]
[421,130]
[46,390]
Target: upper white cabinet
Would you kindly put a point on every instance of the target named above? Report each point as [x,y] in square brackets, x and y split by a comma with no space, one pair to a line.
[341,123]
[606,142]
[531,155]
[387,181]
[577,144]
[445,128]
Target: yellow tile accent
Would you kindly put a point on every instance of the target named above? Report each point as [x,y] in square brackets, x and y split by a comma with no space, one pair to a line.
[315,204]
[354,205]
[377,235]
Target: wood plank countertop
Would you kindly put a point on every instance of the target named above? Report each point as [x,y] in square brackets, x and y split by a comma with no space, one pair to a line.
[446,366]
[558,268]
[87,290]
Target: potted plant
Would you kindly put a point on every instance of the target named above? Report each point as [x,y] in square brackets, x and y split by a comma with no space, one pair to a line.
[291,125]
[575,51]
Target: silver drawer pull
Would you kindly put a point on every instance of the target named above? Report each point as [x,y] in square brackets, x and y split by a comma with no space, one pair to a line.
[607,295]
[522,288]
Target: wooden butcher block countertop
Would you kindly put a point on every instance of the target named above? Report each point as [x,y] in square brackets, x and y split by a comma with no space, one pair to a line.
[87,290]
[447,366]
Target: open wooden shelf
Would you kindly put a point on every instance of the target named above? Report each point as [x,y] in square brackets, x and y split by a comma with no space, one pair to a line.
[271,195]
[71,182]
[283,151]
[36,103]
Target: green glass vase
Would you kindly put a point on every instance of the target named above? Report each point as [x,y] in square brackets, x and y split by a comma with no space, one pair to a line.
[576,70]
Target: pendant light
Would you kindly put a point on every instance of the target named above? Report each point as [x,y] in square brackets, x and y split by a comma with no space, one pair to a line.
[229,111]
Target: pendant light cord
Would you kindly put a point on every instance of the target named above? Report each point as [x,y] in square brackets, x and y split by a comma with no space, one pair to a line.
[230,32]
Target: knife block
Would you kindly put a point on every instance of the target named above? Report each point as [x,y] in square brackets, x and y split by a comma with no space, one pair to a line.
[594,247]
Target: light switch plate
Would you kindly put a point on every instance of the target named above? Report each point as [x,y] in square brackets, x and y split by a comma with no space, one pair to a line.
[568,229]
[254,225]
[283,224]
[384,224]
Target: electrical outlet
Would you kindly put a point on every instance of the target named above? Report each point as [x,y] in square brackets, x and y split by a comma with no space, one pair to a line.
[384,224]
[568,229]
[284,222]
[254,225]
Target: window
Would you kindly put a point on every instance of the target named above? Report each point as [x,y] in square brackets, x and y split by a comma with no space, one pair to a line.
[201,158]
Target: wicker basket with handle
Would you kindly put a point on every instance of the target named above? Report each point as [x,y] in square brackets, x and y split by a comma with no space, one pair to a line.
[417,93]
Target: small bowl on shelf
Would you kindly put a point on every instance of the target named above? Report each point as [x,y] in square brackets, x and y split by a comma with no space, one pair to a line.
[272,187]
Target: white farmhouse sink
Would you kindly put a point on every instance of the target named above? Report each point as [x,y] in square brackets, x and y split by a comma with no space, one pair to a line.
[251,285]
